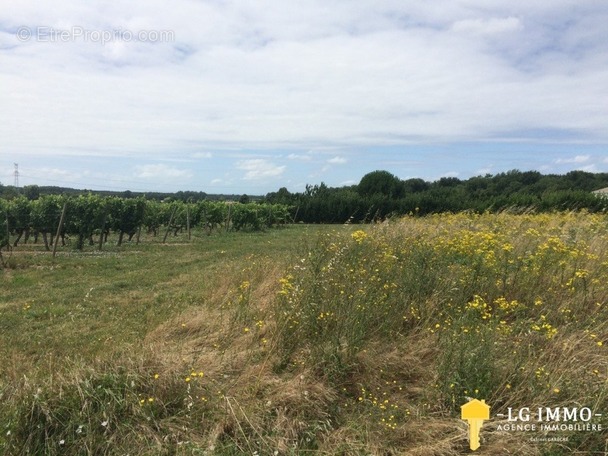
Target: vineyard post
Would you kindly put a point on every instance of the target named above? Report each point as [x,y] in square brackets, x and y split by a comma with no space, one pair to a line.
[140,224]
[188,221]
[103,227]
[8,231]
[169,224]
[65,206]
[8,245]
[228,217]
[296,214]
[205,221]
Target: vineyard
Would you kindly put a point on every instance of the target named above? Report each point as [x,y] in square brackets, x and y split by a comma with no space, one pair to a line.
[89,219]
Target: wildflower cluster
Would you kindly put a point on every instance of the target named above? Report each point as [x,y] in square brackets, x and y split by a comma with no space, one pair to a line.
[359,236]
[381,407]
[544,327]
[492,290]
[286,285]
[336,297]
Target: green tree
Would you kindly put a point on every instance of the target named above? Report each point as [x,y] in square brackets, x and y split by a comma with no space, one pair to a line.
[380,183]
[282,196]
[31,192]
[415,185]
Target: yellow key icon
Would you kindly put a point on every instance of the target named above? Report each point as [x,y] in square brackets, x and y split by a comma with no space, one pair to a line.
[475,412]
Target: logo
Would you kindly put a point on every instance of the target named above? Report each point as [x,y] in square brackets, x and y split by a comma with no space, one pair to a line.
[475,412]
[540,424]
[551,419]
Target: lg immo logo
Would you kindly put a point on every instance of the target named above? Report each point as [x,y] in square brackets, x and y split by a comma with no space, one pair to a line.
[475,412]
[550,419]
[547,421]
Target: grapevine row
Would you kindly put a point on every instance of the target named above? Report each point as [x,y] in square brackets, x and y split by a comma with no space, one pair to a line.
[90,216]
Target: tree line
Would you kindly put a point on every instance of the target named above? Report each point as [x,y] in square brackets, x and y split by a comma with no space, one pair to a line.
[36,191]
[380,194]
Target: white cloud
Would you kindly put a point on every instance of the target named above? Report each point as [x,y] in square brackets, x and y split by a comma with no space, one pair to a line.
[55,176]
[487,26]
[592,168]
[299,157]
[160,171]
[576,159]
[268,74]
[202,155]
[259,168]
[337,160]
[484,171]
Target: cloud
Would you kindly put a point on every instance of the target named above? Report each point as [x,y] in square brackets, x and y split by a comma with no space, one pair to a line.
[299,157]
[484,171]
[576,159]
[161,172]
[259,168]
[202,155]
[337,160]
[284,76]
[487,26]
[56,176]
[592,168]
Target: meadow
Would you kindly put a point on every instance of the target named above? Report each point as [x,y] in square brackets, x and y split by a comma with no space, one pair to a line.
[310,339]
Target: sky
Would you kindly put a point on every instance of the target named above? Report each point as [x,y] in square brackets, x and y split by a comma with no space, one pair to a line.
[227,96]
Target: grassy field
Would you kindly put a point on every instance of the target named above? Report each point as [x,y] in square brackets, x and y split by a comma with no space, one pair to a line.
[350,340]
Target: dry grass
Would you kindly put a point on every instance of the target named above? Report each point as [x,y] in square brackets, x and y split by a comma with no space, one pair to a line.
[359,343]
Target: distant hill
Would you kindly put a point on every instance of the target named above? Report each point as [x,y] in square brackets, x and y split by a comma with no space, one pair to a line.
[33,191]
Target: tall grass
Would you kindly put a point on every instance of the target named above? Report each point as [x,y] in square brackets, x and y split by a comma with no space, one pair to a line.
[362,340]
[500,298]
